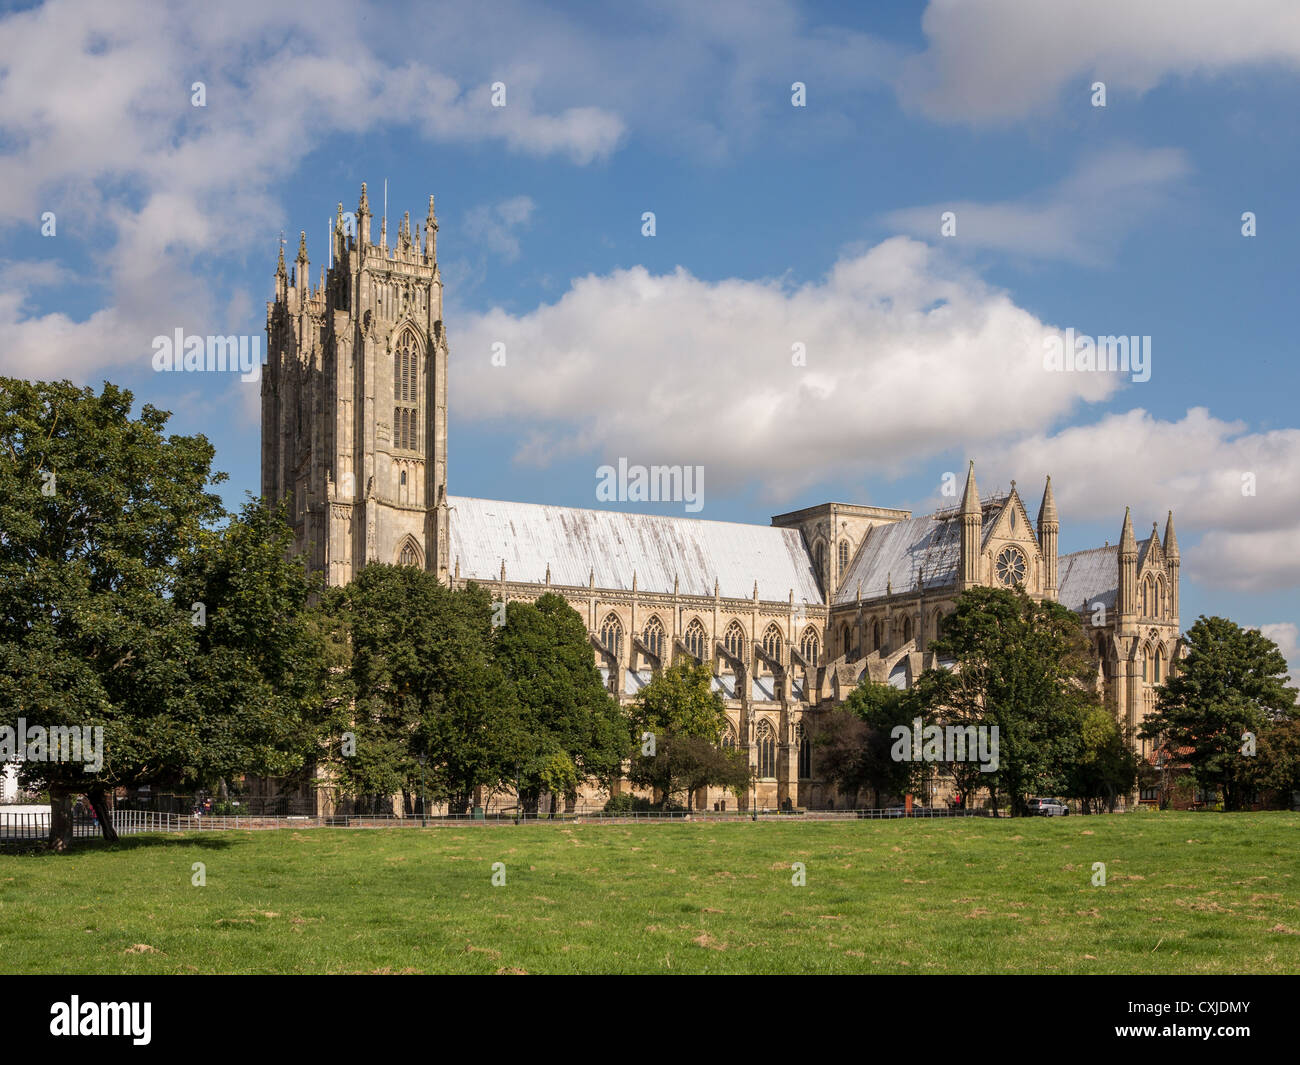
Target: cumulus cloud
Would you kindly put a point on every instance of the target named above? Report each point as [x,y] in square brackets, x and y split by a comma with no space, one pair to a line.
[906,356]
[1082,219]
[495,225]
[1001,60]
[1241,489]
[114,146]
[1286,635]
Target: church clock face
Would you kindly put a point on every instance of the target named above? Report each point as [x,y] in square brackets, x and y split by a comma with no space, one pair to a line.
[1010,567]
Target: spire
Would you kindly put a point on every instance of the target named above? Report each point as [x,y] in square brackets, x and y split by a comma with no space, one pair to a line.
[431,233]
[363,218]
[970,500]
[302,246]
[1155,534]
[1127,544]
[1171,541]
[279,267]
[1047,510]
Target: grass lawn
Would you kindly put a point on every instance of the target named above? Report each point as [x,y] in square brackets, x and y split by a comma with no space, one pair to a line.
[1184,893]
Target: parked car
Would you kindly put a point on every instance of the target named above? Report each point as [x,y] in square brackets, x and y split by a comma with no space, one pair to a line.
[1048,808]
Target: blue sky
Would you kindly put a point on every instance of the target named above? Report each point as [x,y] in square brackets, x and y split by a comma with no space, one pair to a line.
[775,225]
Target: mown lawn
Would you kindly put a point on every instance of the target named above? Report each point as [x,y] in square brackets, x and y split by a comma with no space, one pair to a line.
[1184,893]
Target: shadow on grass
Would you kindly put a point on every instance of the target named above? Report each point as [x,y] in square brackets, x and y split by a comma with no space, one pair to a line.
[36,849]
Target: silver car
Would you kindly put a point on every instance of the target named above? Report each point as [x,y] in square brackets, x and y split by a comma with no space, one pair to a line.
[1048,808]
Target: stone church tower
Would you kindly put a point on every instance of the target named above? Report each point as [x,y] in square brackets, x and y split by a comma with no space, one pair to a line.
[354,400]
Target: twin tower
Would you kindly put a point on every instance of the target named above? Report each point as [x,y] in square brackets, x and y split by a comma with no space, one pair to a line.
[354,399]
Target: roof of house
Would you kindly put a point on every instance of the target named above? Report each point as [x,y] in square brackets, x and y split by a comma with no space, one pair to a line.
[574,542]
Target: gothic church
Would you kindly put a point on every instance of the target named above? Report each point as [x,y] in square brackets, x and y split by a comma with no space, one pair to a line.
[790,616]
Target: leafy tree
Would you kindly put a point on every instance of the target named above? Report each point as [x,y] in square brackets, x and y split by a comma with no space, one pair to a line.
[1026,667]
[1232,681]
[1107,767]
[685,763]
[425,684]
[262,672]
[680,701]
[855,742]
[677,706]
[96,509]
[565,714]
[1279,759]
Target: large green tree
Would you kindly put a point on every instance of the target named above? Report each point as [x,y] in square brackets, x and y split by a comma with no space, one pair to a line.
[96,509]
[1025,667]
[566,716]
[1106,766]
[678,707]
[433,708]
[1231,683]
[855,742]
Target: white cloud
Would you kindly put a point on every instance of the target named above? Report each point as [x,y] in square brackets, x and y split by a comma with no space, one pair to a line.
[1286,635]
[1198,466]
[494,225]
[1001,60]
[1082,219]
[151,183]
[906,357]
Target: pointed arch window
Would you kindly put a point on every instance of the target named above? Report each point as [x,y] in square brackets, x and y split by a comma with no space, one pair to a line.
[1158,663]
[805,752]
[409,554]
[875,635]
[772,642]
[653,636]
[406,392]
[766,750]
[728,737]
[611,635]
[734,640]
[907,628]
[695,639]
[844,555]
[810,647]
[844,638]
[820,553]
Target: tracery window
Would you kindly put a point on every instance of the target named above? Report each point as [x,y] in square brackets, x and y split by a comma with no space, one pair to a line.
[772,641]
[653,636]
[409,554]
[810,646]
[695,639]
[766,750]
[734,640]
[728,738]
[1010,566]
[611,635]
[844,556]
[406,386]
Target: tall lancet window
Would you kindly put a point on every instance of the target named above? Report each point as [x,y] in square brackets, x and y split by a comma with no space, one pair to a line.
[406,393]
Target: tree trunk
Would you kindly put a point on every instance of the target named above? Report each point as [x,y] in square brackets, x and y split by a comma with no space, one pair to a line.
[99,801]
[60,817]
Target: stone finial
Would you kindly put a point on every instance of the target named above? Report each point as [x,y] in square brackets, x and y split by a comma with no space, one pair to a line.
[302,246]
[364,206]
[548,574]
[970,499]
[1127,544]
[1047,510]
[503,571]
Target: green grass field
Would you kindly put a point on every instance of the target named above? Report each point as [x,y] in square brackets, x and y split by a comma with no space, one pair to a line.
[1184,893]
